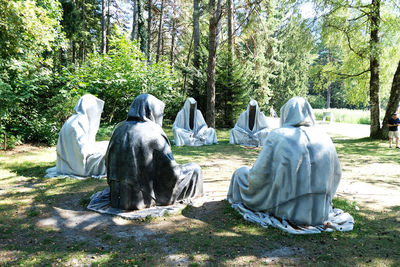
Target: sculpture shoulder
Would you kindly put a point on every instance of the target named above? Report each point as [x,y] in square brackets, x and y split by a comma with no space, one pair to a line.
[75,125]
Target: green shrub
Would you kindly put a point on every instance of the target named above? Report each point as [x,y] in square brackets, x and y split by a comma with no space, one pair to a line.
[119,76]
[316,101]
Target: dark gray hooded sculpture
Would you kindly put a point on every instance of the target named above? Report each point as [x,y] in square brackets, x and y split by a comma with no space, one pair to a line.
[141,170]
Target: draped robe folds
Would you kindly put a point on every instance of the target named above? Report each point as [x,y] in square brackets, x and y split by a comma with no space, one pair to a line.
[252,128]
[78,153]
[295,176]
[190,128]
[141,170]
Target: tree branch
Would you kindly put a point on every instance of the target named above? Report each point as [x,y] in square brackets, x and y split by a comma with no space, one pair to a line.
[346,76]
[348,39]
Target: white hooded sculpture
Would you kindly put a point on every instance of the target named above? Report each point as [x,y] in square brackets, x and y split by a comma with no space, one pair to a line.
[294,177]
[190,128]
[252,128]
[78,154]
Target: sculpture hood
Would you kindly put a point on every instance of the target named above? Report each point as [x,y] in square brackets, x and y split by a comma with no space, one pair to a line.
[260,121]
[147,107]
[90,107]
[297,112]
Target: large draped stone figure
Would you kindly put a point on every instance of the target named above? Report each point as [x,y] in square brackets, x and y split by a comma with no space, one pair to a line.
[190,128]
[141,170]
[252,128]
[78,153]
[295,176]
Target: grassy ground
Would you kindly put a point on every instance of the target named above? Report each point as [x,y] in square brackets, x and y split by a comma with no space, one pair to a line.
[44,221]
[346,115]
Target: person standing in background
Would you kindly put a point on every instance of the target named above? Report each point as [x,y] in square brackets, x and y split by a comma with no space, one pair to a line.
[393,124]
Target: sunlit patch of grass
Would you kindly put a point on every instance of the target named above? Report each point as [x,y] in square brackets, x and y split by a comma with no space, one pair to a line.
[346,115]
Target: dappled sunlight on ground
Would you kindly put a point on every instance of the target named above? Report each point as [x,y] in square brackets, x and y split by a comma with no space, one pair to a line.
[45,221]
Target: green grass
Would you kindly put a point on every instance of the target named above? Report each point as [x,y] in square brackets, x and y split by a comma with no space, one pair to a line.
[35,230]
[346,115]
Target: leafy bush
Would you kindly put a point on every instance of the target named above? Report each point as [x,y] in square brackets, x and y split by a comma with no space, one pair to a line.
[316,101]
[119,76]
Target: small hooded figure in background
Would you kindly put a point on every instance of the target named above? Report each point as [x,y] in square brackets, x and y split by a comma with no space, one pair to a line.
[141,170]
[251,129]
[190,128]
[78,153]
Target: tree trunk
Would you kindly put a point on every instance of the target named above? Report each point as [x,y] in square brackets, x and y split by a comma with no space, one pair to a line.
[134,35]
[172,57]
[108,27]
[149,20]
[228,114]
[82,52]
[160,32]
[196,44]
[328,97]
[103,26]
[173,35]
[374,66]
[5,140]
[392,104]
[187,64]
[73,52]
[215,13]
[141,28]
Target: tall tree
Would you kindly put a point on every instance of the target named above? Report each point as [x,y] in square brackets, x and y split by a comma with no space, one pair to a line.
[213,35]
[374,68]
[134,34]
[173,35]
[229,116]
[160,31]
[103,27]
[142,37]
[108,25]
[196,44]
[149,22]
[393,102]
[355,27]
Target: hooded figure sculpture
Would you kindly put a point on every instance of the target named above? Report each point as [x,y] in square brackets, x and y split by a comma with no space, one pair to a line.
[252,128]
[141,170]
[78,154]
[294,177]
[189,127]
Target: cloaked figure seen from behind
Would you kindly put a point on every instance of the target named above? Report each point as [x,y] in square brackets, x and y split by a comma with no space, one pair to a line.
[190,128]
[251,129]
[78,153]
[141,170]
[293,181]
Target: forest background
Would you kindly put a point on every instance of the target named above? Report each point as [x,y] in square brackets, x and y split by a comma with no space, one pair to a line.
[336,53]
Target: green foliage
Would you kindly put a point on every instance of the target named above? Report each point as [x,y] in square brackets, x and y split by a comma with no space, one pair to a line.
[29,32]
[28,28]
[295,54]
[231,90]
[316,101]
[81,24]
[119,76]
[346,29]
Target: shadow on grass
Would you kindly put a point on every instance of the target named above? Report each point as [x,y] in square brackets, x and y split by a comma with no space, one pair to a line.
[366,148]
[213,231]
